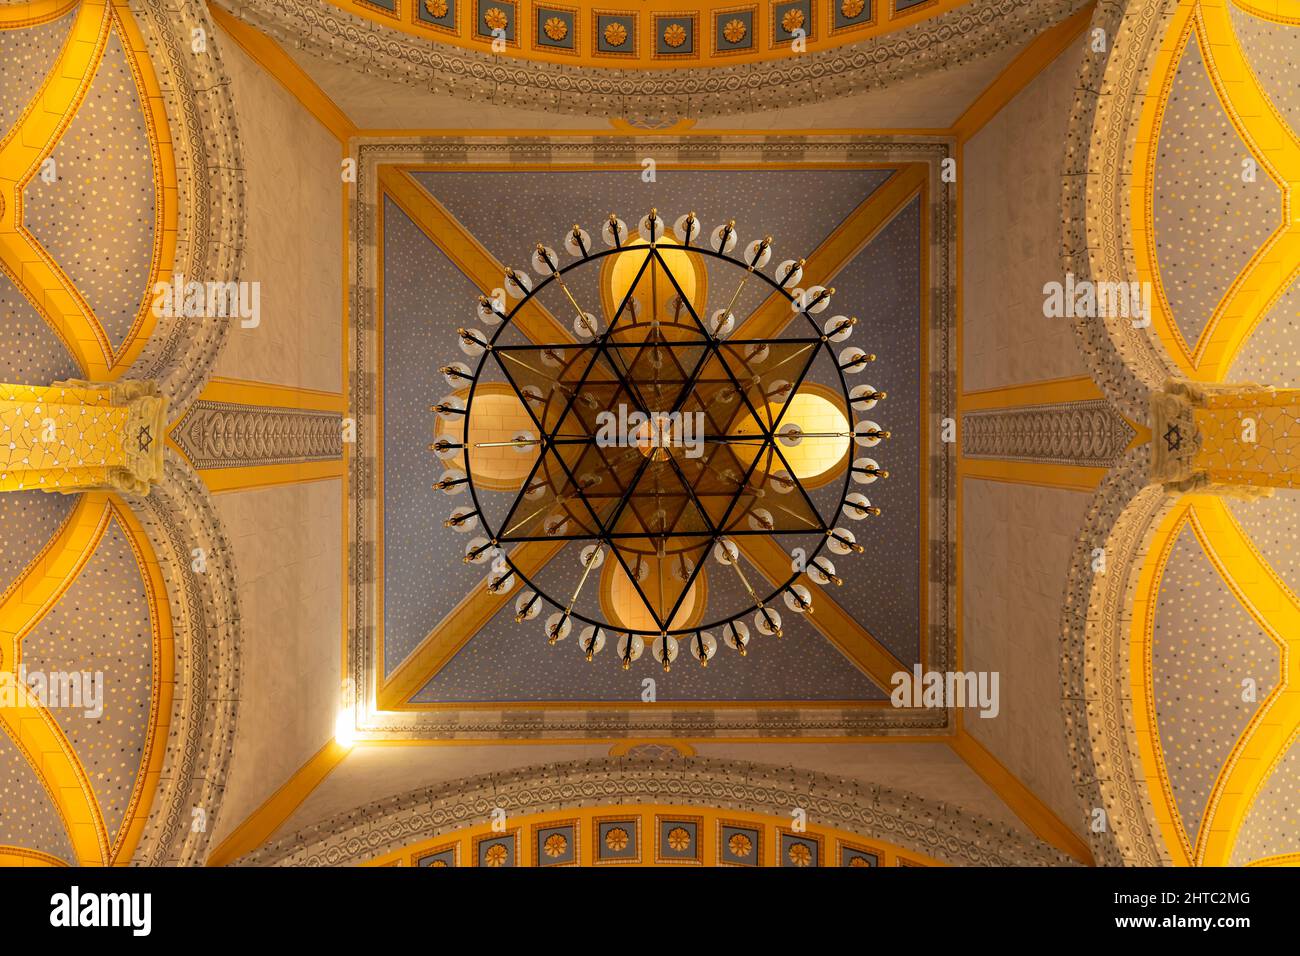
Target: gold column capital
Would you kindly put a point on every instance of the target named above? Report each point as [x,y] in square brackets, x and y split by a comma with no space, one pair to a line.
[1236,439]
[77,435]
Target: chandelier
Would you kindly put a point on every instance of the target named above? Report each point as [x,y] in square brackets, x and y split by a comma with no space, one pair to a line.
[657,438]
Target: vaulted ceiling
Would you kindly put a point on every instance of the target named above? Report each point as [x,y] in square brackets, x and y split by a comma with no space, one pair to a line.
[249,564]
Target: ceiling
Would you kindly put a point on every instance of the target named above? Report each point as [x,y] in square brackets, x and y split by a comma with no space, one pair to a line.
[289,567]
[864,224]
[425,297]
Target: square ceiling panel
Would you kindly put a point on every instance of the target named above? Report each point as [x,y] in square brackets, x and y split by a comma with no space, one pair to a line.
[437,652]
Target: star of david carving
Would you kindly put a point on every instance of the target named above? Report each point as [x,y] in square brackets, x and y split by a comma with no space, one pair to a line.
[1173,437]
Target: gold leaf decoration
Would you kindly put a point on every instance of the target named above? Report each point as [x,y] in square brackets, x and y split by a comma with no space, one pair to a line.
[436,8]
[792,20]
[800,855]
[556,28]
[496,18]
[851,8]
[616,838]
[615,33]
[734,31]
[859,861]
[496,853]
[674,35]
[739,844]
[555,845]
[679,838]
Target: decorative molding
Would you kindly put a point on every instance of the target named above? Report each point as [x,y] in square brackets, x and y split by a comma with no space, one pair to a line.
[223,435]
[692,722]
[971,32]
[177,516]
[652,750]
[182,351]
[689,721]
[1095,628]
[946,833]
[1089,433]
[1096,244]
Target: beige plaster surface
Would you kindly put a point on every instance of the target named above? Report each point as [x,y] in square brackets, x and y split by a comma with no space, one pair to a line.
[293,237]
[1017,541]
[287,544]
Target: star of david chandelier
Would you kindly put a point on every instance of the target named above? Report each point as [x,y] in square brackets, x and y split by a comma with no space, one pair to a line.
[659,472]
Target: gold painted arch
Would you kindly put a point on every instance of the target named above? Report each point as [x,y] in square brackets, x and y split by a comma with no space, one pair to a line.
[35,730]
[815,408]
[32,140]
[1276,721]
[1273,145]
[619,272]
[622,606]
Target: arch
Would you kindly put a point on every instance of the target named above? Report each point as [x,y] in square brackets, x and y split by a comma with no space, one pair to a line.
[193,561]
[1127,362]
[943,833]
[497,415]
[1107,231]
[619,273]
[1095,667]
[616,591]
[815,408]
[711,836]
[972,31]
[181,351]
